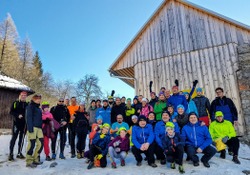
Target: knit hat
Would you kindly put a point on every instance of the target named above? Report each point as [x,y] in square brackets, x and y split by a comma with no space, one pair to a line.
[128,99]
[106,125]
[192,113]
[169,125]
[99,117]
[185,93]
[142,118]
[105,100]
[110,97]
[120,129]
[219,114]
[45,104]
[175,87]
[180,106]
[170,106]
[166,112]
[199,89]
[134,117]
[161,93]
[145,100]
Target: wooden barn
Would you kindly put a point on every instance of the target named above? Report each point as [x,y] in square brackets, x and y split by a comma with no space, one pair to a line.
[186,42]
[9,92]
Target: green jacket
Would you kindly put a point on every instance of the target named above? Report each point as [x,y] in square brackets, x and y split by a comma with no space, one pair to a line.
[158,109]
[220,130]
[129,111]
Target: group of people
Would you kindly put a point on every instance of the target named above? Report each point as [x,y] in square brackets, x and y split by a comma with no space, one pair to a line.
[163,128]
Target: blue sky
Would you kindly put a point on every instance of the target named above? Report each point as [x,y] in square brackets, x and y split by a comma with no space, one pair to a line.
[81,37]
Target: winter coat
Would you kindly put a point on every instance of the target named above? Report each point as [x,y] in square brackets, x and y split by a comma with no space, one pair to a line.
[60,113]
[93,132]
[129,112]
[142,135]
[92,115]
[117,110]
[152,122]
[146,109]
[33,116]
[196,135]
[72,110]
[137,107]
[158,109]
[18,108]
[226,106]
[182,120]
[192,107]
[203,105]
[153,101]
[81,123]
[160,131]
[169,144]
[221,129]
[105,113]
[124,143]
[101,143]
[46,116]
[48,125]
[177,99]
[173,116]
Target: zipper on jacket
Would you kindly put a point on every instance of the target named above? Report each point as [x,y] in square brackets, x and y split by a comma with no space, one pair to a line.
[143,135]
[195,139]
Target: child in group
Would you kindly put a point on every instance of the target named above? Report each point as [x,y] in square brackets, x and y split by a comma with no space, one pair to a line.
[99,147]
[173,114]
[119,147]
[173,147]
[151,119]
[47,128]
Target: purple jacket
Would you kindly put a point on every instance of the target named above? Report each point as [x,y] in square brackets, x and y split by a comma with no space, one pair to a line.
[124,143]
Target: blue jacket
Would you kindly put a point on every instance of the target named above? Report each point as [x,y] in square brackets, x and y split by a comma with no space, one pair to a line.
[196,135]
[177,99]
[33,116]
[101,143]
[160,131]
[192,107]
[142,135]
[105,113]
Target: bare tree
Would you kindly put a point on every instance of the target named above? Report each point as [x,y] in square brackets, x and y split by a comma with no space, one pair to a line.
[88,88]
[64,89]
[26,56]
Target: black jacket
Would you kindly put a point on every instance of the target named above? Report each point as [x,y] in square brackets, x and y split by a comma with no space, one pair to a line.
[81,123]
[203,105]
[153,101]
[33,116]
[182,120]
[60,113]
[18,108]
[117,110]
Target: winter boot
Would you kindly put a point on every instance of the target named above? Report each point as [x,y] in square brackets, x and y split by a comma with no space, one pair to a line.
[122,162]
[181,169]
[31,165]
[79,156]
[82,154]
[91,165]
[235,159]
[172,166]
[138,164]
[206,164]
[163,161]
[38,163]
[223,154]
[53,156]
[61,156]
[196,163]
[48,158]
[73,155]
[153,165]
[11,157]
[20,156]
[113,165]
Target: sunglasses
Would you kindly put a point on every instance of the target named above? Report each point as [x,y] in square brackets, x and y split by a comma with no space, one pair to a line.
[61,101]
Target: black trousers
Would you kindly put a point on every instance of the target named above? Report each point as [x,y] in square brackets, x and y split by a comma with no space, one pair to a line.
[159,152]
[81,141]
[149,154]
[208,152]
[233,145]
[62,132]
[15,132]
[176,156]
[72,137]
[94,151]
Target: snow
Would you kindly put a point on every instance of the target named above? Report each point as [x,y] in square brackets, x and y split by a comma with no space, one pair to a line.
[78,166]
[10,83]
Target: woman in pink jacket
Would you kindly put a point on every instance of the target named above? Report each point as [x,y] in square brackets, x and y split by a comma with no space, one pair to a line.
[146,108]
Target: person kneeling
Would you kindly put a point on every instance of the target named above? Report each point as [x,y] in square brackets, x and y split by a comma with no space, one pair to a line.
[142,138]
[99,147]
[224,130]
[173,147]
[198,140]
[119,147]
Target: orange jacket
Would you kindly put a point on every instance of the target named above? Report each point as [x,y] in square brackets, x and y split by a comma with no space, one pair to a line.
[72,110]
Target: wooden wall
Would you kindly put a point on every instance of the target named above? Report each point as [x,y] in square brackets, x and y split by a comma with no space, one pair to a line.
[7,97]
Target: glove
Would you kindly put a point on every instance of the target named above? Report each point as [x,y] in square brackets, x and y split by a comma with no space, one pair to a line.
[195,83]
[102,136]
[225,139]
[176,82]
[117,143]
[99,156]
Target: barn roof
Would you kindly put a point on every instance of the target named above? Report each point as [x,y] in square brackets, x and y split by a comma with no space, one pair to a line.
[10,83]
[129,72]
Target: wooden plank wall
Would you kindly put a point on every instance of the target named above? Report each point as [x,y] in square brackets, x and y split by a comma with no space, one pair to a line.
[179,29]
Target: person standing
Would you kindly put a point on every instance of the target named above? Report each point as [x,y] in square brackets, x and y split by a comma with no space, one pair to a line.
[105,112]
[35,134]
[177,99]
[19,126]
[98,103]
[130,111]
[117,109]
[72,134]
[154,99]
[61,114]
[92,113]
[145,108]
[160,106]
[225,105]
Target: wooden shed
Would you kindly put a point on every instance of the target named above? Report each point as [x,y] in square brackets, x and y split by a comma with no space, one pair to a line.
[186,42]
[9,92]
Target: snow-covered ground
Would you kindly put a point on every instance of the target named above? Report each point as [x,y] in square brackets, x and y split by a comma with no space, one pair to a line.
[78,166]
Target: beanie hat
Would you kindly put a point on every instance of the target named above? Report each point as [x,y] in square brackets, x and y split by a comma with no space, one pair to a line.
[145,100]
[180,106]
[110,97]
[105,100]
[192,113]
[120,129]
[166,112]
[142,118]
[134,116]
[175,87]
[170,106]
[99,117]
[199,89]
[185,93]
[161,93]
[45,104]
[170,125]
[128,99]
[106,125]
[219,114]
